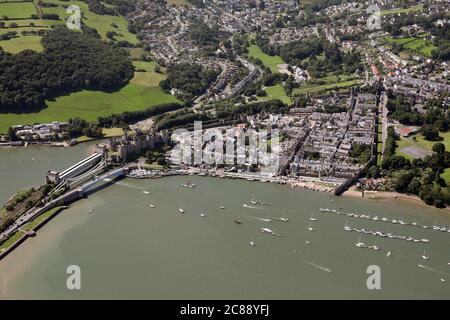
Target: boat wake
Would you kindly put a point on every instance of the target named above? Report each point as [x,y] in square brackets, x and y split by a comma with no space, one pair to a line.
[250,207]
[430,269]
[318,266]
[260,219]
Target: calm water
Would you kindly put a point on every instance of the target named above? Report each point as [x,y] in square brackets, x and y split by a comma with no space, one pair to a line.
[126,249]
[25,167]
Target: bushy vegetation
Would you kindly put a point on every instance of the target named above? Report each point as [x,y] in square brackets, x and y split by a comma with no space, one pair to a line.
[421,177]
[192,79]
[71,61]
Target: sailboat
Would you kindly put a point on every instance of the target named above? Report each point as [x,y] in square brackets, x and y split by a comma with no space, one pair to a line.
[424,256]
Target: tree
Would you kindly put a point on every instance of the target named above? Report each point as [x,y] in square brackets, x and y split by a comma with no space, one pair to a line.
[439,148]
[430,133]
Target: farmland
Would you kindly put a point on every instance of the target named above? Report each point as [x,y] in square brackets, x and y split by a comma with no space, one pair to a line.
[142,91]
[18,17]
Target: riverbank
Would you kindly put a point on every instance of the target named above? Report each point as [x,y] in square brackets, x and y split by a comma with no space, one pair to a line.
[386,196]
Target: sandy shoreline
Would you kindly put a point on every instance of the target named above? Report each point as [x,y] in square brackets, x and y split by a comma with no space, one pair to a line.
[385,195]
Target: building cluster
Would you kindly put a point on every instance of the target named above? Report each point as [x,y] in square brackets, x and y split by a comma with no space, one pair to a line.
[41,132]
[135,143]
[326,150]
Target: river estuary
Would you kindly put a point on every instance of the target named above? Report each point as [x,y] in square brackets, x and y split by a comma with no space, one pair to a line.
[127,249]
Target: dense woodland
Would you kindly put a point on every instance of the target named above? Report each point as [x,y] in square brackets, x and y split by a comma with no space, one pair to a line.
[192,79]
[317,55]
[71,61]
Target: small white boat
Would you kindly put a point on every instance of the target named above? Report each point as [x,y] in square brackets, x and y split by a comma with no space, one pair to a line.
[425,240]
[152,205]
[284,219]
[266,230]
[308,242]
[252,243]
[91,211]
[146,192]
[448,263]
[360,244]
[425,257]
[312,218]
[311,229]
[222,207]
[202,215]
[442,280]
[388,254]
[180,210]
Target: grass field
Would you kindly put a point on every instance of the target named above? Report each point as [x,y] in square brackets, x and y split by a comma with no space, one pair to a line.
[314,88]
[422,143]
[414,45]
[179,2]
[16,10]
[142,92]
[18,44]
[102,23]
[269,61]
[402,10]
[276,92]
[16,236]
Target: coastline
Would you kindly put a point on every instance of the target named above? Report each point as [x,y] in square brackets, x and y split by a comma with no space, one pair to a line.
[387,196]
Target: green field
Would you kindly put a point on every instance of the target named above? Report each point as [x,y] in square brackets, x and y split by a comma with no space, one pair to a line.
[16,45]
[102,23]
[276,92]
[142,92]
[269,61]
[16,236]
[179,2]
[315,88]
[402,10]
[414,45]
[422,143]
[16,10]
